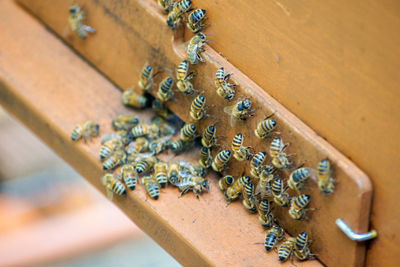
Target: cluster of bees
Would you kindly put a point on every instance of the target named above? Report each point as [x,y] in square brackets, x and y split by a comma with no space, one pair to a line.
[135,146]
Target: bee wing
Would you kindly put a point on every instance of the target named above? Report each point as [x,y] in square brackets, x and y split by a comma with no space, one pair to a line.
[109,193]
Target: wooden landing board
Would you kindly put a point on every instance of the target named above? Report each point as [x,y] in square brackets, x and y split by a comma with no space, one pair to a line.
[49,88]
[152,41]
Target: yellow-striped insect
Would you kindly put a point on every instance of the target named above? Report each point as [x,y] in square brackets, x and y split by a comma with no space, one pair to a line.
[226,182]
[195,20]
[239,111]
[195,47]
[132,99]
[184,78]
[297,178]
[240,152]
[125,122]
[129,175]
[76,21]
[161,173]
[265,128]
[151,186]
[298,205]
[208,138]
[165,92]
[85,130]
[146,78]
[326,182]
[188,132]
[205,159]
[112,185]
[221,160]
[116,159]
[224,88]
[197,109]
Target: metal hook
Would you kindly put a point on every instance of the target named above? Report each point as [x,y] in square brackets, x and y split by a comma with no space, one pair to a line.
[353,235]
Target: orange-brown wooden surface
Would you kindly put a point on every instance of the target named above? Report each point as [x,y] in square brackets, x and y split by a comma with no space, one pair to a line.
[45,85]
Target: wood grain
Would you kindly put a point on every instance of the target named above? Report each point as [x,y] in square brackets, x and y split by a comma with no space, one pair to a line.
[153,44]
[50,89]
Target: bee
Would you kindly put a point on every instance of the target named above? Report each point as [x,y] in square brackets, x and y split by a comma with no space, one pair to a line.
[184,77]
[188,132]
[302,241]
[224,88]
[166,5]
[140,130]
[146,78]
[116,159]
[190,169]
[286,250]
[266,174]
[239,111]
[205,157]
[158,145]
[236,188]
[176,14]
[195,19]
[226,182]
[208,139]
[273,236]
[173,173]
[326,183]
[264,214]
[132,99]
[125,122]
[304,254]
[145,165]
[177,146]
[249,197]
[160,109]
[165,92]
[297,178]
[109,147]
[129,175]
[76,19]
[240,152]
[221,160]
[122,135]
[195,47]
[265,128]
[297,208]
[279,158]
[134,157]
[281,197]
[195,183]
[140,145]
[112,185]
[256,162]
[197,109]
[85,130]
[161,173]
[151,186]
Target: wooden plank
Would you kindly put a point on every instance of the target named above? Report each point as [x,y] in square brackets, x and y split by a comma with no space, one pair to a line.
[50,89]
[153,44]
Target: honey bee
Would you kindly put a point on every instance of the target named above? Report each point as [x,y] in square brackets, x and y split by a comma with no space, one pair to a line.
[151,186]
[165,92]
[188,132]
[135,157]
[249,197]
[226,182]
[109,147]
[166,5]
[279,158]
[146,78]
[145,165]
[236,188]
[132,99]
[197,109]
[239,111]
[240,152]
[195,183]
[205,157]
[195,47]
[161,173]
[177,146]
[112,185]
[208,139]
[265,128]
[184,77]
[129,175]
[273,236]
[286,250]
[302,241]
[264,214]
[256,162]
[150,130]
[221,160]
[297,179]
[190,169]
[85,130]
[326,183]
[176,14]
[281,197]
[173,173]
[122,135]
[116,159]
[266,176]
[140,145]
[304,254]
[76,19]
[125,122]
[195,20]
[297,208]
[158,145]
[301,247]
[160,109]
[224,88]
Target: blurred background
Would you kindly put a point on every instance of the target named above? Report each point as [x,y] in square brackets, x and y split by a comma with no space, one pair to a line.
[50,216]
